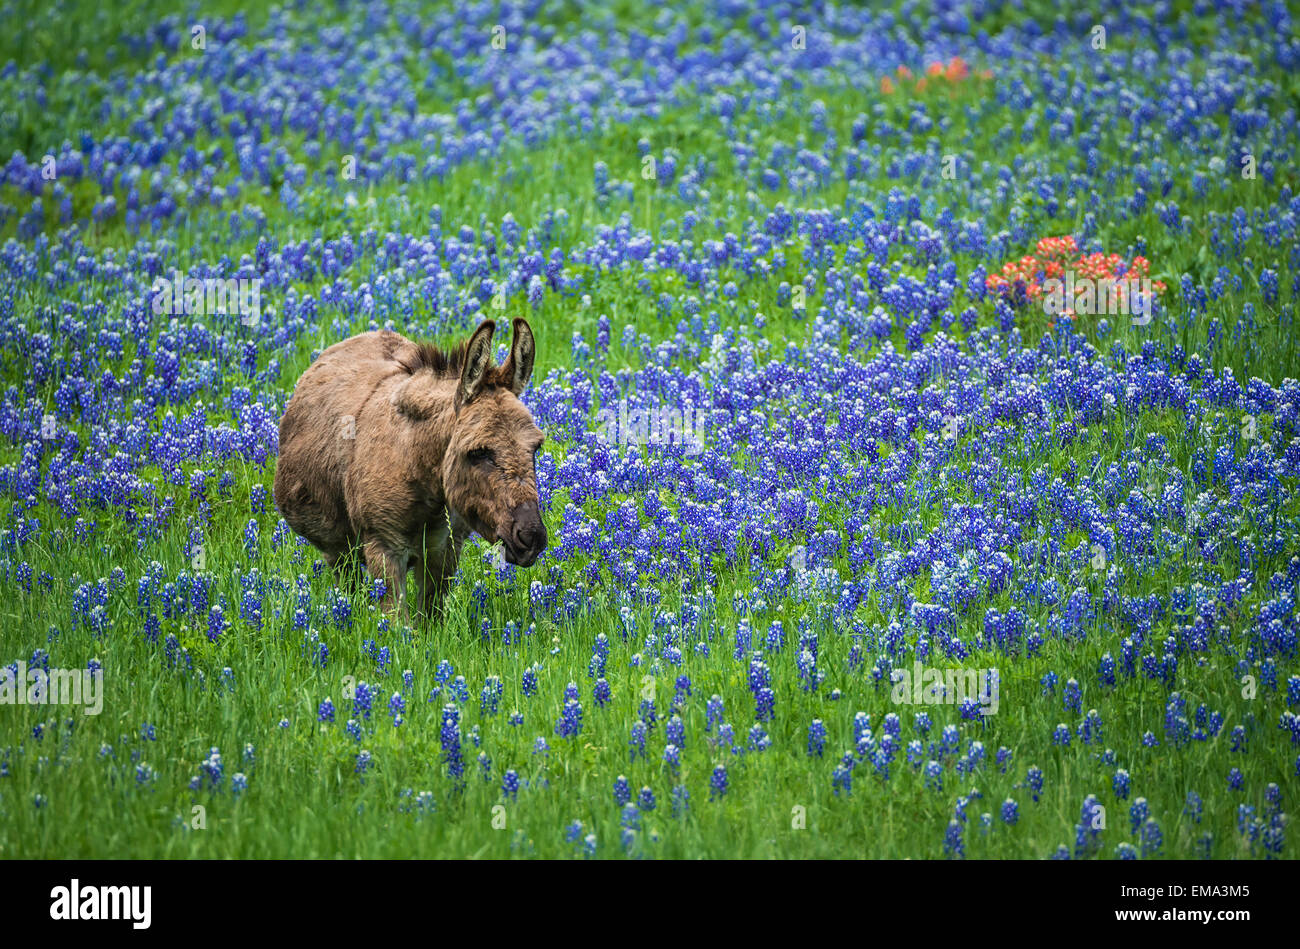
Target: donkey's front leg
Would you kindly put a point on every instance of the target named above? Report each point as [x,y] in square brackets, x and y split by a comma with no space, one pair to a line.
[436,572]
[390,567]
[346,566]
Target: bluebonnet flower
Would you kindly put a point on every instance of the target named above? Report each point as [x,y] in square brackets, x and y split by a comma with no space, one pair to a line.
[1137,813]
[212,768]
[1273,836]
[1120,784]
[915,753]
[217,623]
[449,738]
[953,845]
[718,782]
[1073,696]
[569,725]
[600,655]
[490,697]
[1034,781]
[809,674]
[672,757]
[1106,670]
[1177,728]
[949,739]
[361,700]
[681,800]
[675,731]
[713,713]
[681,690]
[1003,758]
[1090,730]
[816,738]
[1273,795]
[1088,830]
[636,740]
[1152,838]
[460,689]
[510,784]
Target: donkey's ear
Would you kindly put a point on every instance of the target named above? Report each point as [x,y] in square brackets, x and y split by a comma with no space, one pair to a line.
[519,367]
[417,397]
[478,357]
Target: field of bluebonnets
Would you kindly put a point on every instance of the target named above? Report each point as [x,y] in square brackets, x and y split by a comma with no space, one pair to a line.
[803,231]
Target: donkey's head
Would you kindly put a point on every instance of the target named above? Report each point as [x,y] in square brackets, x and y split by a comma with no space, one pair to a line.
[489,472]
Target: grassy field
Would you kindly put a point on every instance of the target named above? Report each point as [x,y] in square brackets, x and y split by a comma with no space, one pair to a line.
[899,464]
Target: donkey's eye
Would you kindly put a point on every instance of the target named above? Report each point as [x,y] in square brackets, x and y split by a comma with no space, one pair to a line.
[480,456]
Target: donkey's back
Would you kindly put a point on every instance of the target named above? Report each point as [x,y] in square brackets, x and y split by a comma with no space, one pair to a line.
[317,434]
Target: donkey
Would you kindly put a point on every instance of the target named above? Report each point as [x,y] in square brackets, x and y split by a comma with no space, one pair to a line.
[399,450]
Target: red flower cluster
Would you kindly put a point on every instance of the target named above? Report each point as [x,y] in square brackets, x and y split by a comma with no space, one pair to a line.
[1058,259]
[954,71]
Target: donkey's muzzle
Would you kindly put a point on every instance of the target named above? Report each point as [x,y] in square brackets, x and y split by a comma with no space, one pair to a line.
[526,538]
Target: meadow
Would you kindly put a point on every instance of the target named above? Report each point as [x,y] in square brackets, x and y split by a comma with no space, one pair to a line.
[815,436]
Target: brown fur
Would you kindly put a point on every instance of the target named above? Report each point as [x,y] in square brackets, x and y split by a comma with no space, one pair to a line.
[412,481]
